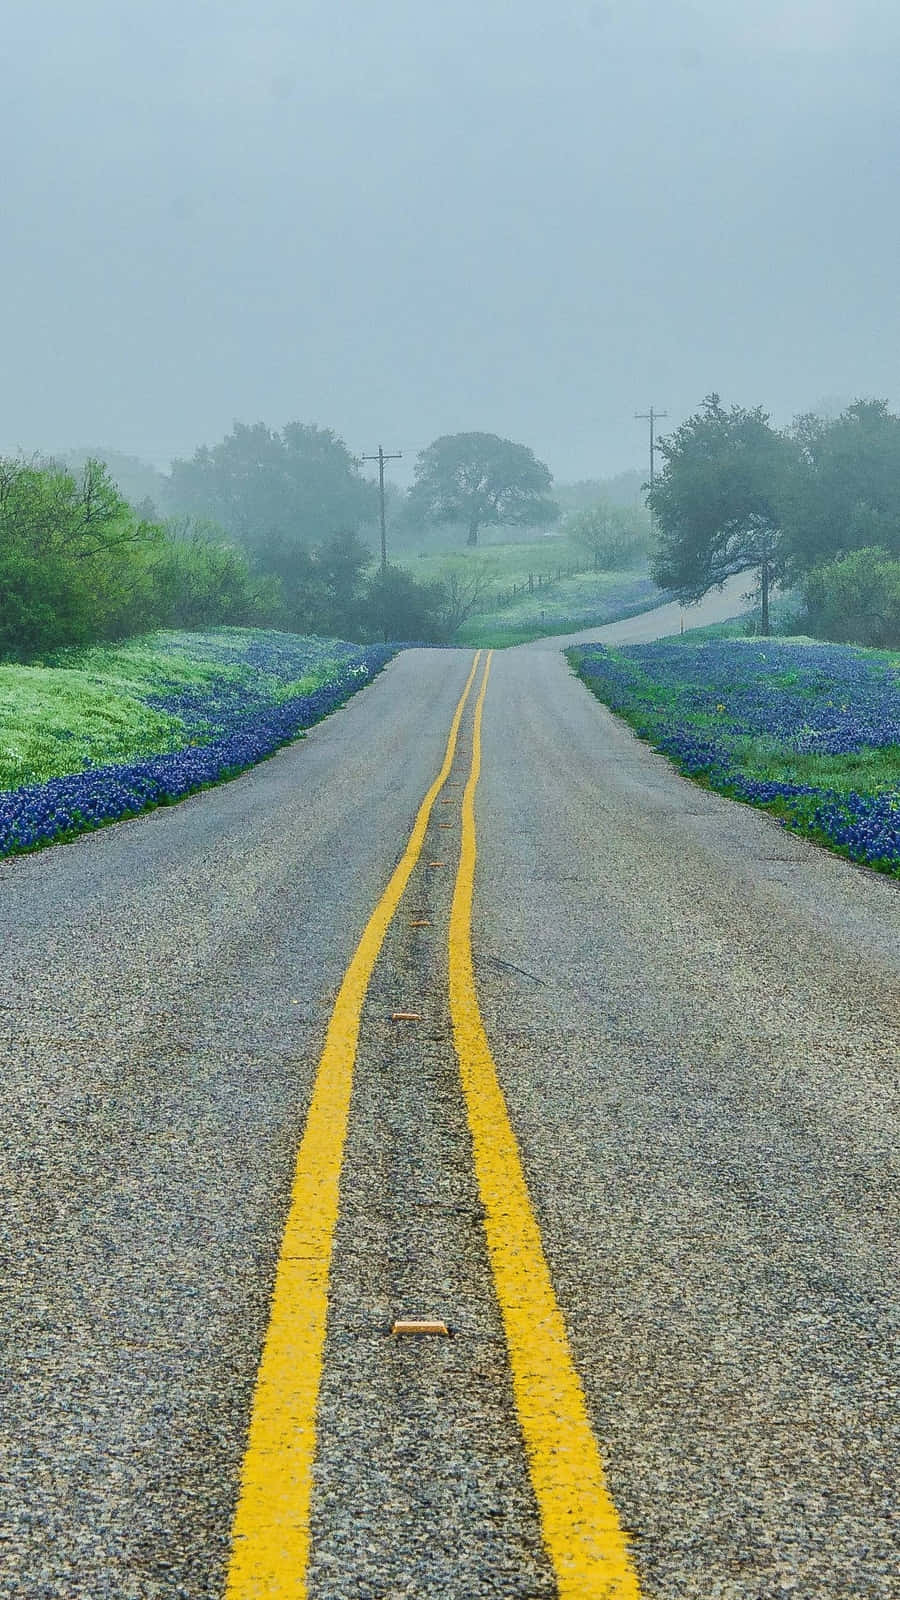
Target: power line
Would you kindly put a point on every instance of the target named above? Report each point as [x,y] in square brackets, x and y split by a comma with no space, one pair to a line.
[381,458]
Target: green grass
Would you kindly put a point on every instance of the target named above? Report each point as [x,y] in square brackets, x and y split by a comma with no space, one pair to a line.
[508,562]
[553,605]
[55,721]
[89,706]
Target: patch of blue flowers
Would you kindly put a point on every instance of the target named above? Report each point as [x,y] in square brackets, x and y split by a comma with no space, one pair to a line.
[227,728]
[720,708]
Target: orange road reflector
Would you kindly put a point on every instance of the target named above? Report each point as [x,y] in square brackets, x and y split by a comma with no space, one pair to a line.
[422,923]
[435,863]
[406,1016]
[420,1325]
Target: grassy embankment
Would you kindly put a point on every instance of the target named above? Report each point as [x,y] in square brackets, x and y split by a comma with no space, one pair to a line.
[551,598]
[94,735]
[808,730]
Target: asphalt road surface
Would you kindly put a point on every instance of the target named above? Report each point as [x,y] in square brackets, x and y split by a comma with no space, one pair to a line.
[693,1018]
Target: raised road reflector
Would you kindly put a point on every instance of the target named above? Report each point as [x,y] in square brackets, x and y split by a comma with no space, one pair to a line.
[420,1325]
[420,922]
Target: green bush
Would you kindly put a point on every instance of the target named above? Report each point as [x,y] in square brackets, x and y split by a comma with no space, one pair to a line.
[79,566]
[855,599]
[397,607]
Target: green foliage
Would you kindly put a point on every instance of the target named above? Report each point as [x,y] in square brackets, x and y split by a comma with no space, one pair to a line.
[479,480]
[611,537]
[72,558]
[77,565]
[734,494]
[200,580]
[845,491]
[90,705]
[855,599]
[399,607]
[717,499]
[275,492]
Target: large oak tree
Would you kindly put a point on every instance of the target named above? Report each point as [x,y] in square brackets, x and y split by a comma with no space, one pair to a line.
[481,480]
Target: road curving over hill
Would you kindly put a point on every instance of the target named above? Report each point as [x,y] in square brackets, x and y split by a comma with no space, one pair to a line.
[693,1021]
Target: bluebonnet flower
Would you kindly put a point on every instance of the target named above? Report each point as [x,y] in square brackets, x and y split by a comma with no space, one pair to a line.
[226,728]
[710,706]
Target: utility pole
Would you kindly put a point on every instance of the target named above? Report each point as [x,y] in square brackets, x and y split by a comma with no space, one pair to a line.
[381,458]
[650,416]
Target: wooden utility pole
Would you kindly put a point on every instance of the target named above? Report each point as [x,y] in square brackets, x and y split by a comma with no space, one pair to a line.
[651,416]
[381,458]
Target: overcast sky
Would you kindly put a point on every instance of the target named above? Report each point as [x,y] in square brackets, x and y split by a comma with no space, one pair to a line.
[407,219]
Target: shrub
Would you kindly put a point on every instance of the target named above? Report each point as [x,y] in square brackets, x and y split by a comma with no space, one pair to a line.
[855,599]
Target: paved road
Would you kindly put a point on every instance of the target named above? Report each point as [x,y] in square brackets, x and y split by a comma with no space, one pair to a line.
[694,1020]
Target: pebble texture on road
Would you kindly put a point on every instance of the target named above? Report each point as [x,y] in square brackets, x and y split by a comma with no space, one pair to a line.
[695,1021]
[695,1017]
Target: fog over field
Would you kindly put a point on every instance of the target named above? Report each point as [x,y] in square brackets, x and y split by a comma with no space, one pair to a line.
[406,220]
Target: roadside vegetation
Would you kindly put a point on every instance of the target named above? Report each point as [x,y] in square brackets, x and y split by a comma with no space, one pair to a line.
[809,731]
[815,506]
[560,606]
[95,735]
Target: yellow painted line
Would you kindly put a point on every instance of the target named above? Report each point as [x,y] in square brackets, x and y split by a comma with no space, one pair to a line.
[582,1533]
[270,1535]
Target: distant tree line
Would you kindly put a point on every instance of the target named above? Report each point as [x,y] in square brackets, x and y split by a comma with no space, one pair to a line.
[264,528]
[275,528]
[815,507]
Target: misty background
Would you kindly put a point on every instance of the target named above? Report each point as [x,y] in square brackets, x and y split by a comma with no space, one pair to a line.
[404,221]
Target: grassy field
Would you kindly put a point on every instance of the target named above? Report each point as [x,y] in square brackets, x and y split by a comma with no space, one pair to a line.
[555,591]
[106,704]
[810,731]
[508,562]
[94,735]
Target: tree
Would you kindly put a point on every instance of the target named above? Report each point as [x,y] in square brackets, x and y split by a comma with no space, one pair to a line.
[481,480]
[845,492]
[275,492]
[463,580]
[717,501]
[73,558]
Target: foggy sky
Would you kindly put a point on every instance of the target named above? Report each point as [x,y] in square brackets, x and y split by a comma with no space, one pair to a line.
[407,219]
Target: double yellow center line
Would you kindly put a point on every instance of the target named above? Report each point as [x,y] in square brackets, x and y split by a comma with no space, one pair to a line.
[270,1538]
